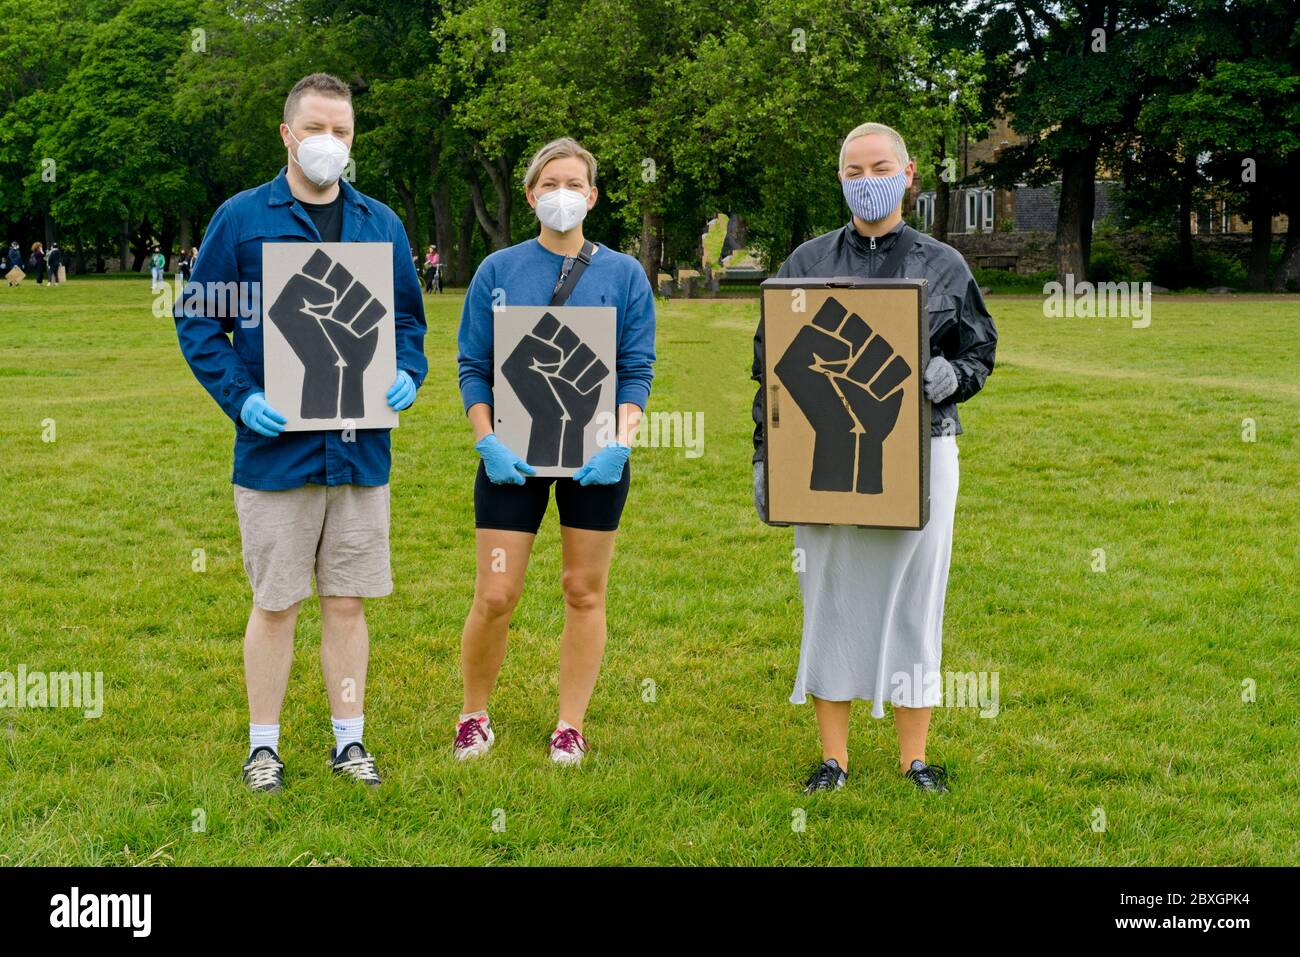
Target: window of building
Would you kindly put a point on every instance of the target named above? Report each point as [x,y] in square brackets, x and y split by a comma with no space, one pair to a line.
[979,210]
[925,211]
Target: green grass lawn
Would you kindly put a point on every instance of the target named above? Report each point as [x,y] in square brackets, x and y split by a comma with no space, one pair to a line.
[1120,690]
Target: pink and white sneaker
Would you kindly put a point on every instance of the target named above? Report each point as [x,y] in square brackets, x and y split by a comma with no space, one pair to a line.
[473,738]
[567,745]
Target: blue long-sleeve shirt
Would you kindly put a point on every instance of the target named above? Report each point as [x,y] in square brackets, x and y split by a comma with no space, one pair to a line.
[221,337]
[525,275]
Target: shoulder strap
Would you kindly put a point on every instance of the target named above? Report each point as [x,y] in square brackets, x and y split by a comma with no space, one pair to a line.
[564,288]
[893,265]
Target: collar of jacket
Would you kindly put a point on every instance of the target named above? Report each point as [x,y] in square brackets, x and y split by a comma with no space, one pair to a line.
[863,243]
[281,195]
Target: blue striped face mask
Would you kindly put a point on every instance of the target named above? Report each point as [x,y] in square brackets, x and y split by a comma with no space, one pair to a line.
[872,198]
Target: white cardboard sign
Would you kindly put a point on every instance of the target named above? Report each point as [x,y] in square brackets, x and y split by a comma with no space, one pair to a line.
[553,386]
[328,339]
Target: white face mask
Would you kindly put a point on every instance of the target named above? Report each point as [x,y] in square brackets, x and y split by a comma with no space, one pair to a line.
[562,209]
[322,158]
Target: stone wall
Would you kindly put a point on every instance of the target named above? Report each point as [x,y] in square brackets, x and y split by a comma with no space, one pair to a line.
[1027,252]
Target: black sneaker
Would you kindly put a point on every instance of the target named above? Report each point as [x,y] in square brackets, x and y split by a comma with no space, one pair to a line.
[264,771]
[828,777]
[929,777]
[355,763]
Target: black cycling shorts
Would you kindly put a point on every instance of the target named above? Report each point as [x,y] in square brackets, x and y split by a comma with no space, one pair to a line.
[519,508]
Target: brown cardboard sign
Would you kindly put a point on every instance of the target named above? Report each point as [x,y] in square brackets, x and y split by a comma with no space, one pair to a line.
[847,421]
[553,384]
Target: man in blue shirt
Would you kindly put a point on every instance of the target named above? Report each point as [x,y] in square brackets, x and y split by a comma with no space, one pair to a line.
[308,502]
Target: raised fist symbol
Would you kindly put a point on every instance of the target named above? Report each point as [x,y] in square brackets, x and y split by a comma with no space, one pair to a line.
[847,385]
[331,323]
[557,379]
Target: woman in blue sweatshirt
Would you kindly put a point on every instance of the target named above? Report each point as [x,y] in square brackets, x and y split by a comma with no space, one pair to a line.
[509,500]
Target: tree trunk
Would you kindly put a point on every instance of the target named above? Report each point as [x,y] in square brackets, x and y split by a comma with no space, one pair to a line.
[1288,270]
[142,236]
[408,206]
[1074,215]
[440,207]
[1186,186]
[166,241]
[798,229]
[465,245]
[124,246]
[740,236]
[942,193]
[652,242]
[495,226]
[1261,235]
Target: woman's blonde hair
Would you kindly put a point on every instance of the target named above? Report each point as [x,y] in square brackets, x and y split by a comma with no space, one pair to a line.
[562,148]
[888,132]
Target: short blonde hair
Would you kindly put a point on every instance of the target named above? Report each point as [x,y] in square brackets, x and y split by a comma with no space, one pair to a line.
[867,129]
[562,148]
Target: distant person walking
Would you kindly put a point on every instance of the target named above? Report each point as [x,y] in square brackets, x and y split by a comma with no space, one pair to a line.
[54,261]
[157,263]
[185,265]
[432,270]
[14,260]
[36,262]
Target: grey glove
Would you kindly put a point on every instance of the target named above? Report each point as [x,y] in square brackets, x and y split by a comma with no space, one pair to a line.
[940,379]
[760,490]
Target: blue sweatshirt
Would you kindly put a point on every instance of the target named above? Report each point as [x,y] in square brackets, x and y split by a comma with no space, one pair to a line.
[526,274]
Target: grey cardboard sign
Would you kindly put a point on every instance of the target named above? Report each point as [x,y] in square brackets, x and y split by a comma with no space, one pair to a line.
[329,344]
[553,383]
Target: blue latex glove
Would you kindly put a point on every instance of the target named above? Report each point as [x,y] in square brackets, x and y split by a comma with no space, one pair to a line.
[402,392]
[260,417]
[605,467]
[503,466]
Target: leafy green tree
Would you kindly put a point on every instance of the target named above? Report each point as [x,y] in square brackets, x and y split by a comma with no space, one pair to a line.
[1241,118]
[1072,82]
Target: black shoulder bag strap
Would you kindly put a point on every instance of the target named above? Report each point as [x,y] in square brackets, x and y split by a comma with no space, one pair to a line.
[893,266]
[564,285]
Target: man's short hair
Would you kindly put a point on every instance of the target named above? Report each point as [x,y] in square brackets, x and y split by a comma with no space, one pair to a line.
[558,149]
[320,83]
[866,129]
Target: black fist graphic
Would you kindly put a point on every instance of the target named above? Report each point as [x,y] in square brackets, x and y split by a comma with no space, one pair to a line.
[846,383]
[557,379]
[330,321]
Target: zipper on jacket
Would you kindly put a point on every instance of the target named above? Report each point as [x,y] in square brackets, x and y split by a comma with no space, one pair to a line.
[873,243]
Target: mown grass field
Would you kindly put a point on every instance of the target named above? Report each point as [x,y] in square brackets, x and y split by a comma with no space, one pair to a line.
[1120,690]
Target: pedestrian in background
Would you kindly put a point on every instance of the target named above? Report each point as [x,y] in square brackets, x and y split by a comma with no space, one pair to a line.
[36,262]
[54,261]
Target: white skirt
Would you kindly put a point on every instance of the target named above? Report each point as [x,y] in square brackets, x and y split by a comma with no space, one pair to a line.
[873,603]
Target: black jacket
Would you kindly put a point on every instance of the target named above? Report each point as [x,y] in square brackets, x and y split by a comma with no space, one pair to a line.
[961,329]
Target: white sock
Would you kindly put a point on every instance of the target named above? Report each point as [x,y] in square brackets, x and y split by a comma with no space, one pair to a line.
[347,731]
[263,736]
[471,714]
